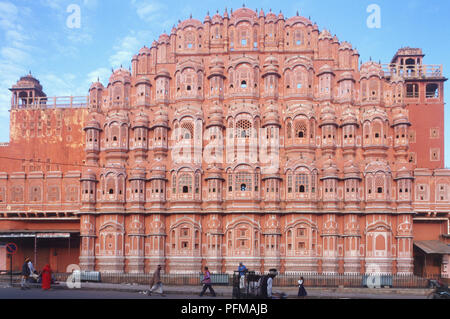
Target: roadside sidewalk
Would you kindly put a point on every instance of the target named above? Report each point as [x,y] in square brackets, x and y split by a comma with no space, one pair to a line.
[291,292]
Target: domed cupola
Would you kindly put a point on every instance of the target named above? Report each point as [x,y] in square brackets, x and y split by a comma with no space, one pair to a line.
[160,129]
[162,85]
[216,77]
[119,89]
[271,77]
[349,117]
[271,116]
[328,115]
[93,130]
[216,116]
[216,67]
[351,170]
[330,169]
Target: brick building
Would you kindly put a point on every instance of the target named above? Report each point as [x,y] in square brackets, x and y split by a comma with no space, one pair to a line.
[249,137]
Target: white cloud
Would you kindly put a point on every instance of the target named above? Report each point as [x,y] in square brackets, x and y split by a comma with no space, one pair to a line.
[101,74]
[14,55]
[125,50]
[8,15]
[14,51]
[149,11]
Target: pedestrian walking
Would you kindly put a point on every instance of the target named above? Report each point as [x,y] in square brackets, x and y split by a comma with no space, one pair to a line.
[46,278]
[25,275]
[33,273]
[301,288]
[156,283]
[207,284]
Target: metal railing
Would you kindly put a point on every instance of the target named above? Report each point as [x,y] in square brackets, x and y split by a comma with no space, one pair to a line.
[282,280]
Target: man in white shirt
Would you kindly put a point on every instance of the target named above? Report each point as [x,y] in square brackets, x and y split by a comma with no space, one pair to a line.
[32,271]
[272,274]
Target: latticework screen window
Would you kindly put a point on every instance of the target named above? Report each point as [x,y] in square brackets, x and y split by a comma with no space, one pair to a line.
[185,184]
[300,130]
[243,129]
[244,182]
[187,130]
[301,183]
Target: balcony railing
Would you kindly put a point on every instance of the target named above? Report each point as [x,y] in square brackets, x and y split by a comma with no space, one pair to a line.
[60,102]
[413,71]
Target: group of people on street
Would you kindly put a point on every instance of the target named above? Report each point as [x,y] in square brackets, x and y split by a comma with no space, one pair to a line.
[30,274]
[265,283]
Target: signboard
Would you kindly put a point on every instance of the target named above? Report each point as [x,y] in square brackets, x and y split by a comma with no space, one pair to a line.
[11,248]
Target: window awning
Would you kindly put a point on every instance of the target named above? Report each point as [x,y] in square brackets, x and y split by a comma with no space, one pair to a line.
[35,234]
[433,247]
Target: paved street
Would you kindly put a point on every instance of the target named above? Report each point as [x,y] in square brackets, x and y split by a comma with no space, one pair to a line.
[34,293]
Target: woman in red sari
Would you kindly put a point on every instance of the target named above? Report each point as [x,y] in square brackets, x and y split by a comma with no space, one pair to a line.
[46,278]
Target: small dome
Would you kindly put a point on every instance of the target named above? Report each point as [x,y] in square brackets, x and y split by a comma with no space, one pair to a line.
[244,13]
[163,73]
[96,86]
[141,120]
[345,46]
[92,124]
[401,118]
[161,117]
[351,170]
[349,117]
[370,69]
[329,169]
[164,38]
[145,51]
[325,34]
[404,173]
[325,69]
[346,76]
[143,80]
[271,17]
[271,66]
[271,117]
[328,115]
[375,112]
[138,173]
[217,67]
[120,75]
[89,175]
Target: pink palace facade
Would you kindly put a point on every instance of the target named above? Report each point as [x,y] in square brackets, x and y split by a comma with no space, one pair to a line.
[260,139]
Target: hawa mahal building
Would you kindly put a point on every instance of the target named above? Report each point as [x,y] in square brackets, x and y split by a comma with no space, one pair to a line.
[250,138]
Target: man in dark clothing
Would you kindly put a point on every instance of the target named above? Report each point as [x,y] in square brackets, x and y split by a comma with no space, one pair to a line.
[25,275]
[207,283]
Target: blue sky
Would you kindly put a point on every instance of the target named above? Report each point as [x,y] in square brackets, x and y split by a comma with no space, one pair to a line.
[34,35]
